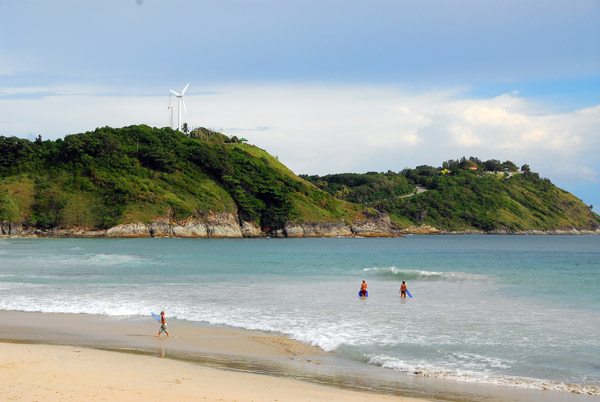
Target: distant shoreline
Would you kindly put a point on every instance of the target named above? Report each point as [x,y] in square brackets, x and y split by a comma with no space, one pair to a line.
[427,231]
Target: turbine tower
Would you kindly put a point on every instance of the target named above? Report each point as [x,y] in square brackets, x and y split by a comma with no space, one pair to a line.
[170,112]
[179,102]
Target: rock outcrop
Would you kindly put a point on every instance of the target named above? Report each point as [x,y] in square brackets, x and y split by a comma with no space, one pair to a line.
[316,229]
[129,230]
[421,230]
[160,229]
[251,229]
[4,228]
[226,225]
[223,224]
[189,229]
[379,226]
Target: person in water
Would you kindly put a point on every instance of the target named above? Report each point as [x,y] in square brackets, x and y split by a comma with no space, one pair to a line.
[403,290]
[363,289]
[163,325]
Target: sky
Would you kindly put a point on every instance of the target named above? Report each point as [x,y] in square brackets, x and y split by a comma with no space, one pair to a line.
[327,86]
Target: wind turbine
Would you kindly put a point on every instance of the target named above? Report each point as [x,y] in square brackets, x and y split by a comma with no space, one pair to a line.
[170,112]
[179,101]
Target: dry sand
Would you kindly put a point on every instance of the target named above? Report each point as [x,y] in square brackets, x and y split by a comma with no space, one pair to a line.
[31,372]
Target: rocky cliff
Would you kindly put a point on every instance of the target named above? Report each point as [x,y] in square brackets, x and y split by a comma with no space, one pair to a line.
[217,225]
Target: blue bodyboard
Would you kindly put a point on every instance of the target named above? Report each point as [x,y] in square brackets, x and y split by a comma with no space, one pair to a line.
[366,295]
[408,293]
[158,318]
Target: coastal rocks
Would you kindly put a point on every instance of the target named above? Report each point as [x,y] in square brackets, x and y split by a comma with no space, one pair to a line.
[292,229]
[226,225]
[129,230]
[160,229]
[316,229]
[213,225]
[421,230]
[331,229]
[571,231]
[251,229]
[16,228]
[223,224]
[76,232]
[380,226]
[190,229]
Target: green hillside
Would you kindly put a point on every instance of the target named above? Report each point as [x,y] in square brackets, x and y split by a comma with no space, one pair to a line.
[137,174]
[466,194]
[108,177]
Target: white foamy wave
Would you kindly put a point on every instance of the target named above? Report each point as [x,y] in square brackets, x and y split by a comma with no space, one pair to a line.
[419,275]
[297,328]
[95,259]
[111,259]
[484,377]
[11,286]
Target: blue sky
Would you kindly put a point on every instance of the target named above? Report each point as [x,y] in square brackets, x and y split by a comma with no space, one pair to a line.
[328,86]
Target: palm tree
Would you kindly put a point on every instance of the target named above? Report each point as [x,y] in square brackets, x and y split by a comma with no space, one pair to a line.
[185,128]
[345,192]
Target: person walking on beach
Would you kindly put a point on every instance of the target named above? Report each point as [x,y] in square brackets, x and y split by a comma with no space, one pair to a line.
[403,290]
[163,325]
[363,290]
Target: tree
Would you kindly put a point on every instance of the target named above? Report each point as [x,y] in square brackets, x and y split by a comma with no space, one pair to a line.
[185,128]
[525,168]
[345,192]
[509,166]
[492,165]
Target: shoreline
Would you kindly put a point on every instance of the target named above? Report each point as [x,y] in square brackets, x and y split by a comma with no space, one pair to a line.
[229,352]
[381,228]
[399,234]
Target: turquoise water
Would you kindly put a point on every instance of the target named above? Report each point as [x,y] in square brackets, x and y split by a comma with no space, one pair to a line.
[521,311]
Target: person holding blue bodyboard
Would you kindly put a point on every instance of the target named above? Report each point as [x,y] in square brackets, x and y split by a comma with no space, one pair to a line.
[163,324]
[363,290]
[404,291]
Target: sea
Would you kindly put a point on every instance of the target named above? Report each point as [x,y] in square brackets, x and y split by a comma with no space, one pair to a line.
[512,311]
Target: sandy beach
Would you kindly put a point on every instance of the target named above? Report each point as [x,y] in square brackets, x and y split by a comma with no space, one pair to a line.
[31,372]
[61,357]
[77,357]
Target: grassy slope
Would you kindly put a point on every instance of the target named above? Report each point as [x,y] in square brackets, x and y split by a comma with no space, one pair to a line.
[309,203]
[138,174]
[522,202]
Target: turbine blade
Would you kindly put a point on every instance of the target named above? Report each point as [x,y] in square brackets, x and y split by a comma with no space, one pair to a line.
[174,93]
[184,108]
[185,89]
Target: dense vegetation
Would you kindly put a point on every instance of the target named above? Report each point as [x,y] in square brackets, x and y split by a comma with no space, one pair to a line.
[464,194]
[109,176]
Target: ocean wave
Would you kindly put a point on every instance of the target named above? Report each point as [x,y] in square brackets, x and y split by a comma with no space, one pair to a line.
[480,377]
[419,275]
[93,259]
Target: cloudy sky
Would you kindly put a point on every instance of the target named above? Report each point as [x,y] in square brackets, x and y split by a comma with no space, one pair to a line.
[328,86]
